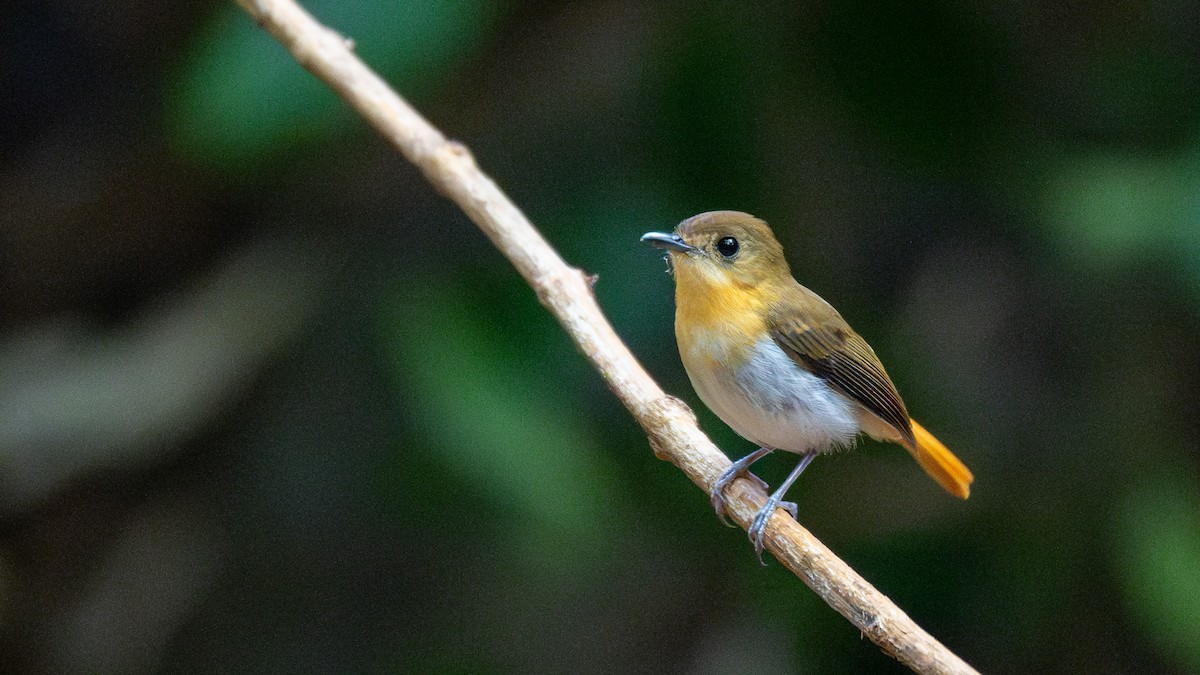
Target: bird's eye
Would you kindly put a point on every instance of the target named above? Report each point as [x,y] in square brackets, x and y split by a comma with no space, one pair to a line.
[727,247]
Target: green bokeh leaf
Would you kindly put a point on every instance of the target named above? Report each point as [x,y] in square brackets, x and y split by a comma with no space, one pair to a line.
[241,98]
[1114,204]
[1107,206]
[512,436]
[1158,545]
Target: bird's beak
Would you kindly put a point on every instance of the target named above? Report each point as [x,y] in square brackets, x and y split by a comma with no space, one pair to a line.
[670,242]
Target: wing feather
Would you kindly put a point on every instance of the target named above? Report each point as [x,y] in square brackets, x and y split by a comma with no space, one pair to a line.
[834,352]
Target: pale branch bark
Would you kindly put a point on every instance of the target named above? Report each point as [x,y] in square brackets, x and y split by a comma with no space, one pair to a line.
[566,293]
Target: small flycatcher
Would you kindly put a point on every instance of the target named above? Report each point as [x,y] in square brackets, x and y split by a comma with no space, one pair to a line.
[776,362]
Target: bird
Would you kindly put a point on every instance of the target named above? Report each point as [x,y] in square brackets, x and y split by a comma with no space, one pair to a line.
[779,364]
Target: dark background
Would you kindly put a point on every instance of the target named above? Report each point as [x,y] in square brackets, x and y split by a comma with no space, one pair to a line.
[269,404]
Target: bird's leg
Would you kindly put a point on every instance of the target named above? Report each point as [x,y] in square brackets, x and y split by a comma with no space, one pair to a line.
[738,468]
[764,514]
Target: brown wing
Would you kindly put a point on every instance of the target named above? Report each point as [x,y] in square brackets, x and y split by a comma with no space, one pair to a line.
[831,350]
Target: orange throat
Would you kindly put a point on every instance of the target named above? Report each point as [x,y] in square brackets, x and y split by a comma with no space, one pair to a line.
[717,318]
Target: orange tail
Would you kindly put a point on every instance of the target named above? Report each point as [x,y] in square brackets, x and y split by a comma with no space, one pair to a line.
[940,463]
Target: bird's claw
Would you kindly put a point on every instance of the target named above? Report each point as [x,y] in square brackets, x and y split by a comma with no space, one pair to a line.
[717,496]
[764,514]
[718,503]
[759,525]
[739,468]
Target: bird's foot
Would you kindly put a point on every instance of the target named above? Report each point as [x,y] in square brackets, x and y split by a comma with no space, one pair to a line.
[717,496]
[756,529]
[738,468]
[759,525]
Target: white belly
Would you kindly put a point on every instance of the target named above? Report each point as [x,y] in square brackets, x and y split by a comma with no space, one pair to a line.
[777,404]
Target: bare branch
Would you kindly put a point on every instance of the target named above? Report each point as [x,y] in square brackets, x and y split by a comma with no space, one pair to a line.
[566,292]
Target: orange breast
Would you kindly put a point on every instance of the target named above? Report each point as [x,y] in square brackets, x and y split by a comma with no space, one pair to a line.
[717,320]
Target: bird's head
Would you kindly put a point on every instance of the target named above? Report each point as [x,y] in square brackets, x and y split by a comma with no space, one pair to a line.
[722,249]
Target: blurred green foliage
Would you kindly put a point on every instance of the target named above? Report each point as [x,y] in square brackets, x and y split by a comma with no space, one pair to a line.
[1158,542]
[471,404]
[1121,205]
[241,100]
